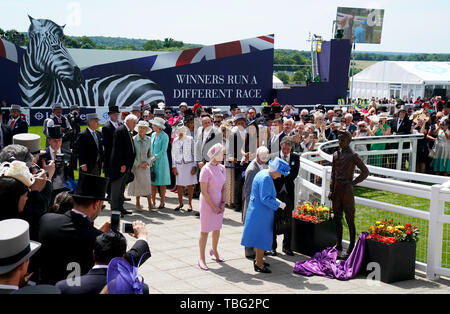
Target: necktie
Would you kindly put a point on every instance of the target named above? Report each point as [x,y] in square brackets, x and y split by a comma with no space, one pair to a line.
[95,138]
[12,123]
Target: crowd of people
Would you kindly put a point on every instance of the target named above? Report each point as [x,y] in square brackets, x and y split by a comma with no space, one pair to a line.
[246,160]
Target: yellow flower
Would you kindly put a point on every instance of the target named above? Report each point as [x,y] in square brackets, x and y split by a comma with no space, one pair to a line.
[399,227]
[390,229]
[378,222]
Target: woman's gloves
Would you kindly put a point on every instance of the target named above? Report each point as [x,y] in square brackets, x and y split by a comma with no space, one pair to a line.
[282,204]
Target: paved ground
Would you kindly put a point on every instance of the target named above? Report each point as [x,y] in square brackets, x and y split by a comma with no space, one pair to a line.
[173,238]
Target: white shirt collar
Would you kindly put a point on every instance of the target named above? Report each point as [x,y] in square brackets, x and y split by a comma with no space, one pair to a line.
[10,287]
[99,266]
[115,124]
[52,151]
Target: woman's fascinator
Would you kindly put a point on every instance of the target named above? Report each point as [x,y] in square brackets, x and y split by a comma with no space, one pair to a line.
[215,150]
[122,278]
[17,170]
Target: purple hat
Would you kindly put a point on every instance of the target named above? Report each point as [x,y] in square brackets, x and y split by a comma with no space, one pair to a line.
[122,278]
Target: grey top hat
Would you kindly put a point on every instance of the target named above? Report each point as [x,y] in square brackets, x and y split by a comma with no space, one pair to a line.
[56,106]
[158,112]
[239,116]
[15,244]
[91,116]
[136,108]
[74,107]
[29,140]
[15,107]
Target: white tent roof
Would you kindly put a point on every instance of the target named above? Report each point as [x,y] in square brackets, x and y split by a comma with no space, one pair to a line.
[276,82]
[406,72]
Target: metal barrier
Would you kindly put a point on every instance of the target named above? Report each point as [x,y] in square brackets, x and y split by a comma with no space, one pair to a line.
[433,248]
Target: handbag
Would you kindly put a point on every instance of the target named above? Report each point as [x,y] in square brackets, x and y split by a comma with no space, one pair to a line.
[432,152]
[152,174]
[283,217]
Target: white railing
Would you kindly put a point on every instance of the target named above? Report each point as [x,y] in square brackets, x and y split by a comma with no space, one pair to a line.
[392,181]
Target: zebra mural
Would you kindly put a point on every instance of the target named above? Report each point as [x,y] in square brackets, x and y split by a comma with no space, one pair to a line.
[49,75]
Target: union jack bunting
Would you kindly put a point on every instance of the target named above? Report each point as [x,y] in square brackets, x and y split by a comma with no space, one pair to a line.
[207,53]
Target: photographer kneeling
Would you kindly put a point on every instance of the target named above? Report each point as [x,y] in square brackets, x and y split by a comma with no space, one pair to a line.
[68,239]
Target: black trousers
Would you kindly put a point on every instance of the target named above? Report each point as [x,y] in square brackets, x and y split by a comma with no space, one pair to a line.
[117,192]
[238,187]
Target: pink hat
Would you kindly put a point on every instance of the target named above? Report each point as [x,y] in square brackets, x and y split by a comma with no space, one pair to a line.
[215,150]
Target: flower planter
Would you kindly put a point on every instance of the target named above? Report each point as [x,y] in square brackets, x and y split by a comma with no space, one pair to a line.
[397,261]
[309,238]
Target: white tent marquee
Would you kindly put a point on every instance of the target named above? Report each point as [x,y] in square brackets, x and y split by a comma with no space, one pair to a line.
[402,79]
[276,82]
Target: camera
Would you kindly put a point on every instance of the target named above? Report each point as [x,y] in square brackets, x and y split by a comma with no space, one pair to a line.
[127,228]
[115,221]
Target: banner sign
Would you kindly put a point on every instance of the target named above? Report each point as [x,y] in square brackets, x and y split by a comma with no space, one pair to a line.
[363,26]
[37,116]
[235,72]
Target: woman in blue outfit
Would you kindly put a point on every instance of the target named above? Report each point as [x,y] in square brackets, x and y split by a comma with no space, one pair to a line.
[258,228]
[159,162]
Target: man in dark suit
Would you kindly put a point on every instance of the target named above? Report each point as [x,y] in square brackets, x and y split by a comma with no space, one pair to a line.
[400,125]
[234,155]
[68,239]
[107,246]
[16,123]
[207,136]
[122,159]
[276,136]
[5,133]
[285,187]
[107,134]
[62,159]
[90,147]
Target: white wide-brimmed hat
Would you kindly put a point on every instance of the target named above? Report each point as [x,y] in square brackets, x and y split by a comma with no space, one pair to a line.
[15,244]
[159,122]
[374,118]
[383,115]
[145,124]
[17,170]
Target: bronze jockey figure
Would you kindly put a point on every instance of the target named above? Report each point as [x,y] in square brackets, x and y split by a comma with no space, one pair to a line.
[341,188]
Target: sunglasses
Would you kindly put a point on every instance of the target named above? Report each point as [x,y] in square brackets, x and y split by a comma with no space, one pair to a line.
[215,122]
[168,112]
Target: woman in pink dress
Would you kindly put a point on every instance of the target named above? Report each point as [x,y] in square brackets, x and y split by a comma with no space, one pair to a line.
[212,202]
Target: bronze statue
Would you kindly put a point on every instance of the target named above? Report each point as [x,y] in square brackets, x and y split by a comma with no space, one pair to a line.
[341,188]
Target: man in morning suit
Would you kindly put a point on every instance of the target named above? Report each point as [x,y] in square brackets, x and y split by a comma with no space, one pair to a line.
[16,123]
[122,159]
[90,147]
[107,134]
[285,187]
[62,159]
[68,239]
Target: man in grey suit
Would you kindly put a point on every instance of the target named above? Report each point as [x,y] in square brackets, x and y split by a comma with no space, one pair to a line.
[257,164]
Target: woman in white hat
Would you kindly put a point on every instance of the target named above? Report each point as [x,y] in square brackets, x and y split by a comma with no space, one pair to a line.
[141,185]
[183,165]
[212,202]
[15,183]
[381,128]
[159,162]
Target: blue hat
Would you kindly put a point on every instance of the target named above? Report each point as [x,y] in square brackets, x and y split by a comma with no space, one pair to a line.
[279,165]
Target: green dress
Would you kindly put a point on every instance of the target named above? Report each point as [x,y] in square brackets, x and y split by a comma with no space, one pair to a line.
[376,160]
[160,144]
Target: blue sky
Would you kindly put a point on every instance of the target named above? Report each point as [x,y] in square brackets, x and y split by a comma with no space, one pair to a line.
[409,25]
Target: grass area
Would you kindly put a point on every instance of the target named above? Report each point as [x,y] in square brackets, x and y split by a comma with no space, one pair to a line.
[362,64]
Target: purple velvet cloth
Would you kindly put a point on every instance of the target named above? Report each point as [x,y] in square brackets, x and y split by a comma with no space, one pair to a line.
[325,264]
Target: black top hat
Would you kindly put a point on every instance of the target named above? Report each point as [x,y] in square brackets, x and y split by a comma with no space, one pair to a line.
[270,116]
[113,109]
[265,110]
[91,187]
[233,106]
[276,109]
[54,132]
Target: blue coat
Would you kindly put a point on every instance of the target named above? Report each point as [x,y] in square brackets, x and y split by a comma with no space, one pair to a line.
[161,165]
[258,228]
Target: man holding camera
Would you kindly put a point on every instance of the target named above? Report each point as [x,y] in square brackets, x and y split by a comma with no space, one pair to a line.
[68,239]
[57,118]
[61,157]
